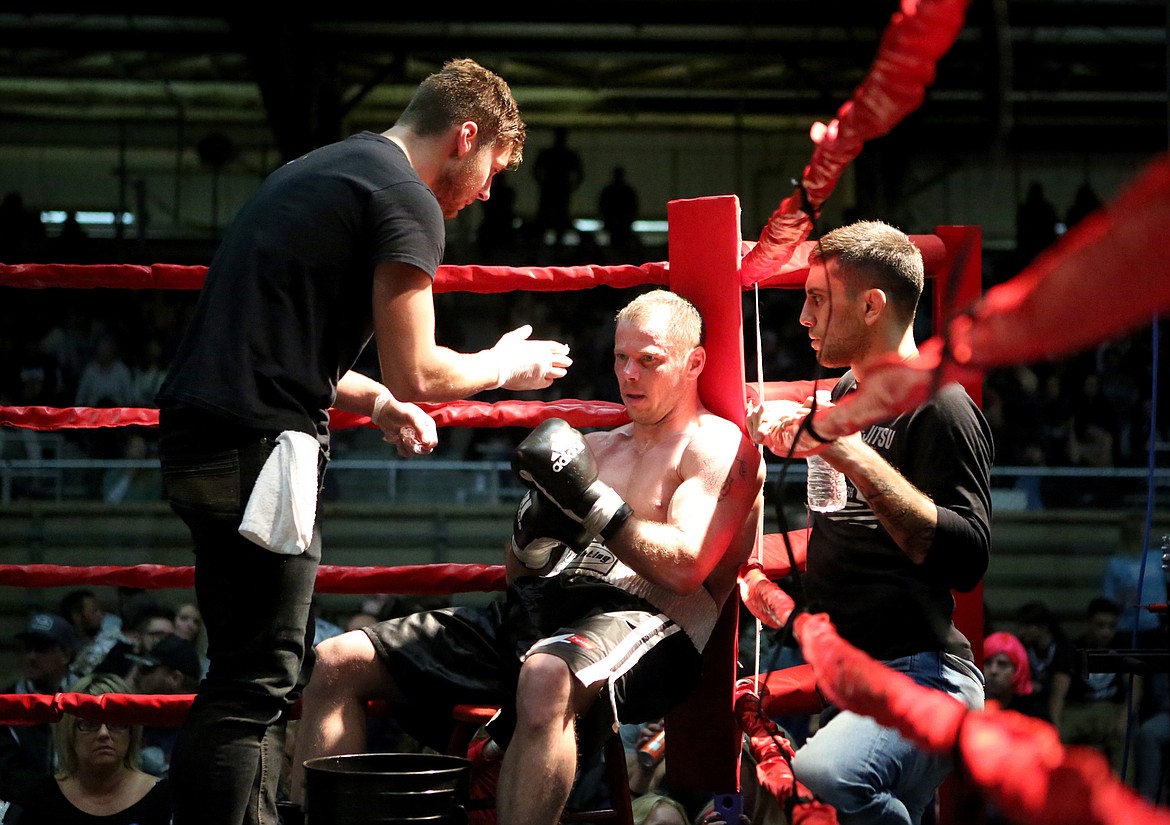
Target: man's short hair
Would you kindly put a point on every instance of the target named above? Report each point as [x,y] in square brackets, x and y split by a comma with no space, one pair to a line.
[1103,605]
[686,324]
[464,90]
[141,609]
[874,254]
[74,602]
[1036,613]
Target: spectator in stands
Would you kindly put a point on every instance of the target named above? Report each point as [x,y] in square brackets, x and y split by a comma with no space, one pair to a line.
[97,631]
[148,375]
[188,622]
[1091,708]
[135,481]
[1008,682]
[1007,675]
[26,754]
[1085,202]
[144,622]
[1092,432]
[659,809]
[1047,646]
[68,343]
[98,781]
[1036,221]
[189,626]
[105,382]
[170,667]
[1153,739]
[22,234]
[558,173]
[497,230]
[618,206]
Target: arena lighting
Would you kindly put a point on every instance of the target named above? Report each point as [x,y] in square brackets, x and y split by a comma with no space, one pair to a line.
[641,227]
[56,217]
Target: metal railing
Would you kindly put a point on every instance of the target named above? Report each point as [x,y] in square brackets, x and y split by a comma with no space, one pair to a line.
[492,482]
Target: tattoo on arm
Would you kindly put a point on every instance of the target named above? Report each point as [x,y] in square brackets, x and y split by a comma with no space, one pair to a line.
[725,489]
[901,520]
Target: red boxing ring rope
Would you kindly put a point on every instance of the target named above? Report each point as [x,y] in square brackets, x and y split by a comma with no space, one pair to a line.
[512,413]
[420,579]
[918,35]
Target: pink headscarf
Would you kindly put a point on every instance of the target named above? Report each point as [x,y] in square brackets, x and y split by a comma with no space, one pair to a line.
[1013,648]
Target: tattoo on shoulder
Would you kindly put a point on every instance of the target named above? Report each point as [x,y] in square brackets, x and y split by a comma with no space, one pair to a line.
[738,468]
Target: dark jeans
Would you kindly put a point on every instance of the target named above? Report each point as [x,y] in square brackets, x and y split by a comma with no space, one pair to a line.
[256,610]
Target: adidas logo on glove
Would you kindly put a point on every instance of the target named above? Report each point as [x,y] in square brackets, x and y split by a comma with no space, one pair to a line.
[564,446]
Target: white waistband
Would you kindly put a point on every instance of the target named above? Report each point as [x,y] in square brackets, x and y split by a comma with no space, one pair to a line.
[696,613]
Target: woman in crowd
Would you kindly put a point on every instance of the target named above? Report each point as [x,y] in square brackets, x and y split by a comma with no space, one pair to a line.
[98,781]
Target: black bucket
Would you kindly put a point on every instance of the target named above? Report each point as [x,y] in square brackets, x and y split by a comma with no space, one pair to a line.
[386,789]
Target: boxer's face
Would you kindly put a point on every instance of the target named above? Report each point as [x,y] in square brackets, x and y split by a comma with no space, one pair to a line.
[652,371]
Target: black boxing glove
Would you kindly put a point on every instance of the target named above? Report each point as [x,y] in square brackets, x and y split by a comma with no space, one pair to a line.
[539,528]
[555,459]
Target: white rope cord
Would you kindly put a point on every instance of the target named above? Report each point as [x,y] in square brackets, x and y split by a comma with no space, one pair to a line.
[759,548]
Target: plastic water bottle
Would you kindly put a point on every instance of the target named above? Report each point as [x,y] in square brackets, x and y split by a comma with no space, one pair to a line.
[826,486]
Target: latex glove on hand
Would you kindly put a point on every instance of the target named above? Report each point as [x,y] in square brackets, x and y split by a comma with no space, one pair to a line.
[404,425]
[526,364]
[778,426]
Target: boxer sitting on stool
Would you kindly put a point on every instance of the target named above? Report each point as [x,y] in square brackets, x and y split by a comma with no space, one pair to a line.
[623,552]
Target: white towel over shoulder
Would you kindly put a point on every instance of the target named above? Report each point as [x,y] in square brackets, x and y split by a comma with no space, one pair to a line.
[283,506]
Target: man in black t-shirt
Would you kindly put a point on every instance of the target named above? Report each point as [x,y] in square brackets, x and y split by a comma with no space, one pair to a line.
[335,248]
[915,526]
[1091,708]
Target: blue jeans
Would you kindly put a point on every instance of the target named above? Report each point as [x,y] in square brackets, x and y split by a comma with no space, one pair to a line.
[256,610]
[869,773]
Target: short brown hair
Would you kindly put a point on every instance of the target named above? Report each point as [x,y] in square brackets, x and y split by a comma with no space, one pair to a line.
[874,254]
[464,90]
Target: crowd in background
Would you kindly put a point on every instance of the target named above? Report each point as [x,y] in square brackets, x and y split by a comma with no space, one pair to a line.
[111,348]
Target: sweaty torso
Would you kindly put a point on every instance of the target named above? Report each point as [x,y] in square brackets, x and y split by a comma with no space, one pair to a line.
[646,476]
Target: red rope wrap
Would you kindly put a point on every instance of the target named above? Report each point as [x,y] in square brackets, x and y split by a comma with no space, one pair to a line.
[451,414]
[425,579]
[773,755]
[918,35]
[475,279]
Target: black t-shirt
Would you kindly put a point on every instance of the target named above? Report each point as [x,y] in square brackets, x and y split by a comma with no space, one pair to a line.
[286,306]
[877,598]
[52,808]
[1091,687]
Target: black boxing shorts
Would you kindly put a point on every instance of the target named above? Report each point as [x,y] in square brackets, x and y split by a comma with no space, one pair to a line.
[472,655]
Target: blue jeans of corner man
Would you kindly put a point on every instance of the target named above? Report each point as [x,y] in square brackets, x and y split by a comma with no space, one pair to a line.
[869,773]
[255,606]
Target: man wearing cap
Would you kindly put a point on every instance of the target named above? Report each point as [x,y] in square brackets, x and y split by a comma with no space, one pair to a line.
[171,666]
[26,754]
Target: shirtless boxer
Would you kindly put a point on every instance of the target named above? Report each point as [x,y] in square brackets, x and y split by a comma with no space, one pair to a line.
[622,554]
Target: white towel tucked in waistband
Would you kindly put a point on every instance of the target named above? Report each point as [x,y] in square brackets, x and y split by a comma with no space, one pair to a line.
[283,505]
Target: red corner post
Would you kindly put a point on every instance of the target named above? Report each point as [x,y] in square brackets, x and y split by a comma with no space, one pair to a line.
[958,283]
[703,739]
